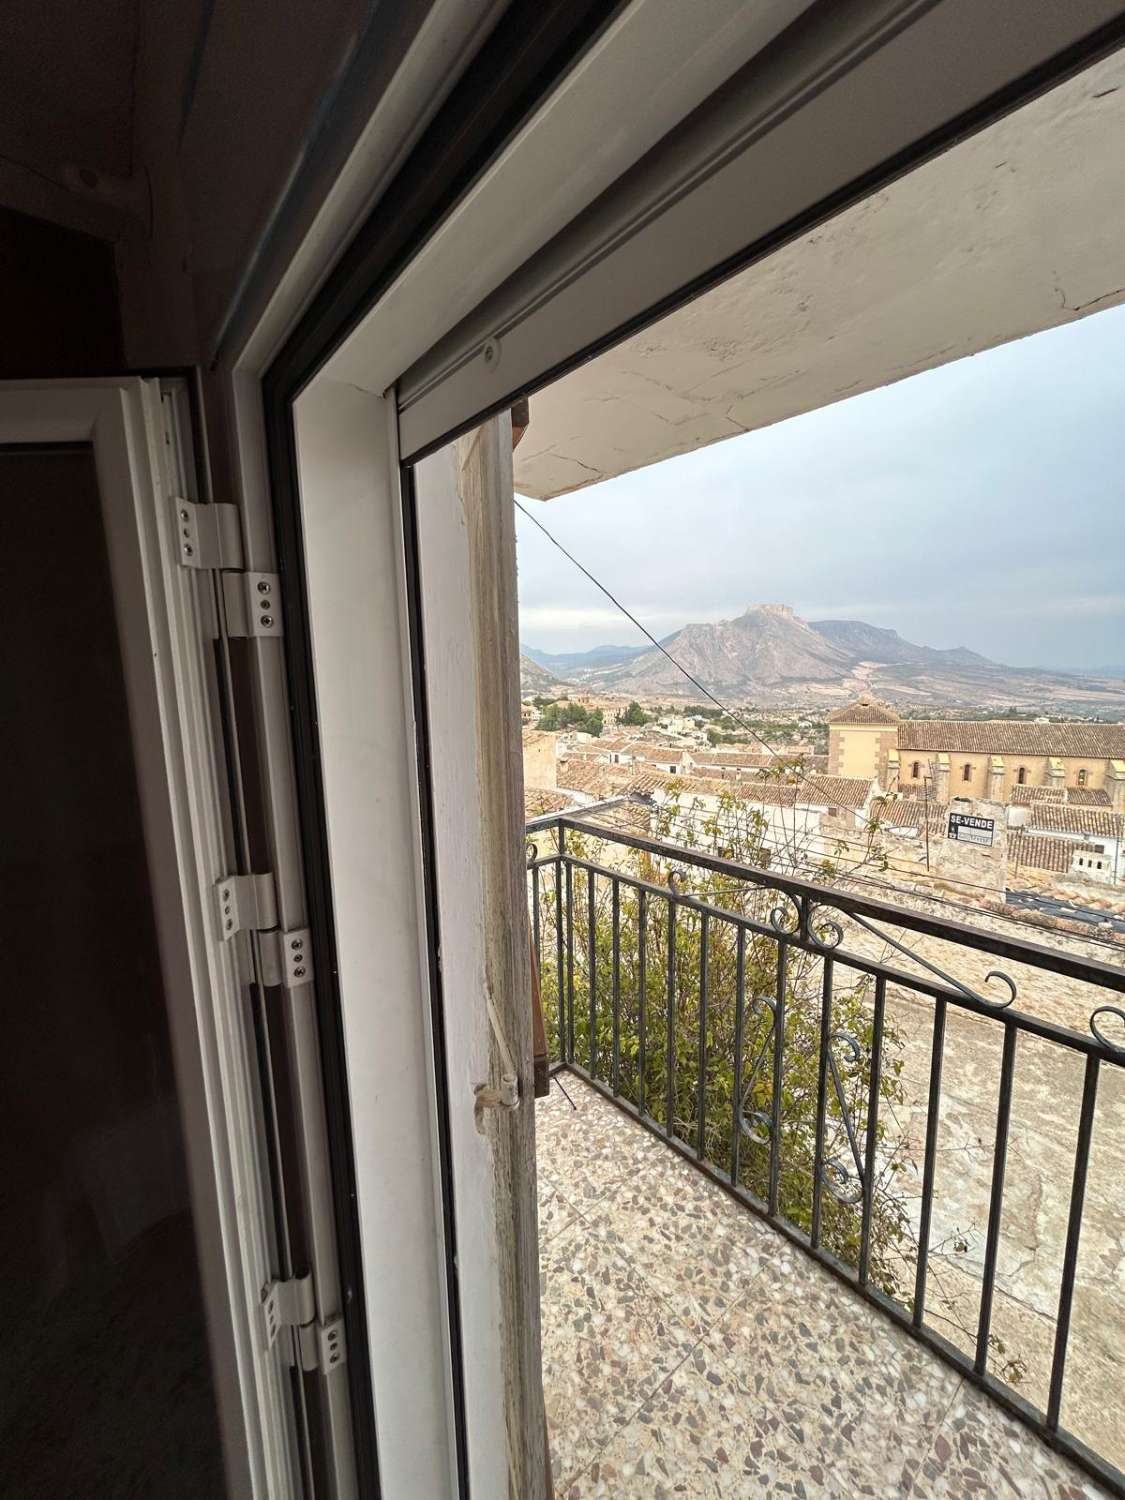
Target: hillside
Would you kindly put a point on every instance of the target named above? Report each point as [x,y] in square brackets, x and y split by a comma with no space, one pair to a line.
[770,654]
[535,678]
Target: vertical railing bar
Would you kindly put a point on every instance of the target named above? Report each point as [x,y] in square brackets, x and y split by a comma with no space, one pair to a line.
[701,1081]
[996,1203]
[616,1068]
[1073,1233]
[591,971]
[570,961]
[670,1026]
[642,999]
[535,931]
[872,1126]
[821,1098]
[739,1006]
[560,962]
[933,1112]
[778,1065]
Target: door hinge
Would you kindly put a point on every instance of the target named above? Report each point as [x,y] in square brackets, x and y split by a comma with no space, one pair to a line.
[210,536]
[247,903]
[289,1308]
[287,958]
[253,604]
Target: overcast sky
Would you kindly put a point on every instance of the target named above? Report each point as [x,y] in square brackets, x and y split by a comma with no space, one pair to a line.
[981,504]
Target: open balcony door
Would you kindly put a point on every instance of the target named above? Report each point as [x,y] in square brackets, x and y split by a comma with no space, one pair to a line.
[137,1231]
[411,611]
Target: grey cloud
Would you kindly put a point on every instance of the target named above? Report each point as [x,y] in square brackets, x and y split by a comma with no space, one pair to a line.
[979,504]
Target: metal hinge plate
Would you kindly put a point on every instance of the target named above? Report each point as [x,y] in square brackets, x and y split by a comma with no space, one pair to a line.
[253,604]
[287,1304]
[287,958]
[247,903]
[291,1306]
[210,536]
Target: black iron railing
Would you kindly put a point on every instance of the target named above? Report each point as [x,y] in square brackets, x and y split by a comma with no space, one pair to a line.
[761,1024]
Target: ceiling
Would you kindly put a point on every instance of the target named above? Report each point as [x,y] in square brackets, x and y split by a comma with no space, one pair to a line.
[1018,228]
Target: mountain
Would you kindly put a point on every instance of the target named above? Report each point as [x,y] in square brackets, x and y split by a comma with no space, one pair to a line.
[597,656]
[865,642]
[534,677]
[767,646]
[769,654]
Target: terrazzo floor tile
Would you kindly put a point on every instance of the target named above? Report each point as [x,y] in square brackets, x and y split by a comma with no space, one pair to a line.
[692,1351]
[608,1339]
[612,1148]
[685,1236]
[980,1453]
[701,1435]
[556,1211]
[863,1398]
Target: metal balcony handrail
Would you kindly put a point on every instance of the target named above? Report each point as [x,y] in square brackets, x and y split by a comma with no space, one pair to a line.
[803,921]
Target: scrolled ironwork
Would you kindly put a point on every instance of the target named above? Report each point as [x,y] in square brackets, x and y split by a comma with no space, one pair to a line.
[818,926]
[757,1126]
[841,1183]
[1106,1041]
[835,1174]
[818,923]
[779,917]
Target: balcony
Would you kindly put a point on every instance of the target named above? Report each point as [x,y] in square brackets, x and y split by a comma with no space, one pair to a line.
[831,1202]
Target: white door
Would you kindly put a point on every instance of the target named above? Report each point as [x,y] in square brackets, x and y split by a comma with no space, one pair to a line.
[138,1228]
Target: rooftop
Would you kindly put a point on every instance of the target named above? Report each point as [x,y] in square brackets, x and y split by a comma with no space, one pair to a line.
[691,1350]
[1075,796]
[1099,822]
[1014,737]
[865,711]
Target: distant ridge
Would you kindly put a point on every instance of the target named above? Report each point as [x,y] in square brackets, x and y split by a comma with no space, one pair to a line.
[769,653]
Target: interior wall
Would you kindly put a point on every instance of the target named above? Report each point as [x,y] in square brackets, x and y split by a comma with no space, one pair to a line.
[59,308]
[231,99]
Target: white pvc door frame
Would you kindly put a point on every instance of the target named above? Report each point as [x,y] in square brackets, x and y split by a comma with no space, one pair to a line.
[140,438]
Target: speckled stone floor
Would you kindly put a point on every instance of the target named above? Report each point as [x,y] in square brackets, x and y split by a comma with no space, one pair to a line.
[690,1351]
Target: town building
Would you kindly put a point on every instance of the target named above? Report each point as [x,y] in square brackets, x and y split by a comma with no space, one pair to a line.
[993,758]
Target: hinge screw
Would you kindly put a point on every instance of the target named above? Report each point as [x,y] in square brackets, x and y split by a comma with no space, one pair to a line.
[183,515]
[296,943]
[263,587]
[188,551]
[267,620]
[299,972]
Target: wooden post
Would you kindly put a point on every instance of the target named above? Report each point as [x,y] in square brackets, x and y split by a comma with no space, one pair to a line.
[484,461]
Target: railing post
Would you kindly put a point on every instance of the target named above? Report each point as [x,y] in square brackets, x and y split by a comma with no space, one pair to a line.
[996,1202]
[1073,1233]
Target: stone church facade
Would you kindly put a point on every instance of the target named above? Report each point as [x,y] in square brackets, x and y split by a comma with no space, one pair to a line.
[990,758]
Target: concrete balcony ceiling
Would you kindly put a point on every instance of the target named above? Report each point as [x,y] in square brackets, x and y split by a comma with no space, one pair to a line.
[1020,227]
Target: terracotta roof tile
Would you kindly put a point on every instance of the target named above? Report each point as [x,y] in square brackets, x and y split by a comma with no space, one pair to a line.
[1100,822]
[1041,852]
[865,711]
[1013,737]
